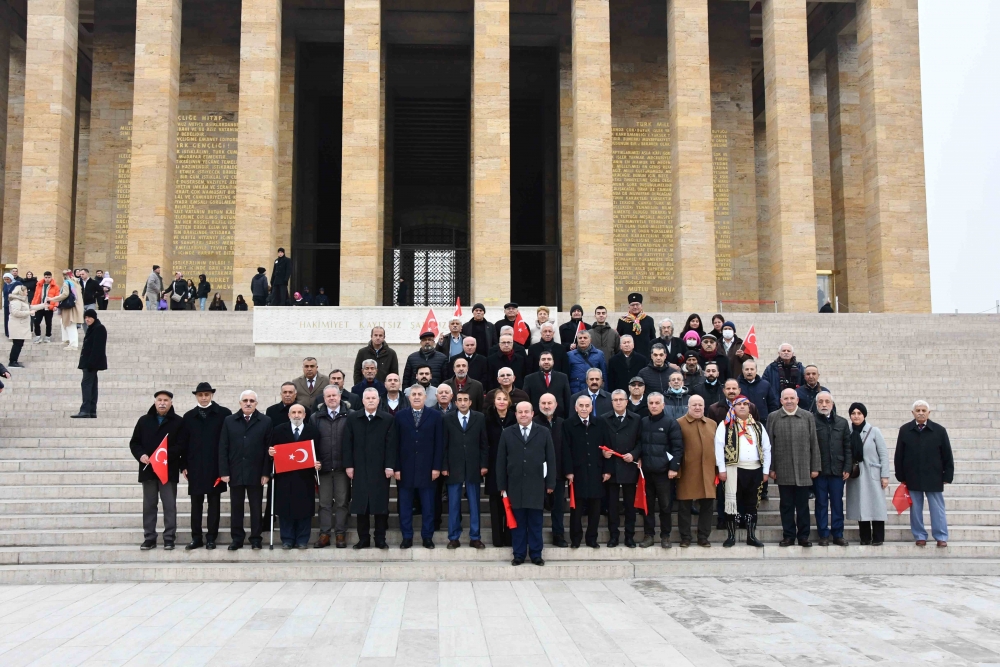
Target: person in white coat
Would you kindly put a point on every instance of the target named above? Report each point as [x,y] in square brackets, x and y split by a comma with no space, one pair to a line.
[73,315]
[866,502]
[19,326]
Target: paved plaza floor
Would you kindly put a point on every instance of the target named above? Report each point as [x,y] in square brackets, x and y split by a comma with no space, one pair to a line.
[671,621]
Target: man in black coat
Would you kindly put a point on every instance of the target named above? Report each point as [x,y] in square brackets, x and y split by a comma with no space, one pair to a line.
[548,416]
[93,358]
[507,357]
[600,400]
[624,429]
[924,462]
[371,450]
[425,356]
[547,380]
[465,461]
[587,469]
[133,302]
[204,427]
[244,466]
[510,311]
[484,332]
[278,413]
[711,388]
[637,323]
[295,490]
[461,381]
[478,368]
[567,331]
[281,273]
[662,451]
[637,397]
[160,422]
[548,344]
[625,365]
[90,289]
[526,472]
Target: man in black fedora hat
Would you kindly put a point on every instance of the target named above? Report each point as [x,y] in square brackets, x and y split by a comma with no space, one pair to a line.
[204,425]
[637,324]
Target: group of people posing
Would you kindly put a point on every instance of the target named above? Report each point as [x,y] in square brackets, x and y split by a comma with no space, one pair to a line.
[586,421]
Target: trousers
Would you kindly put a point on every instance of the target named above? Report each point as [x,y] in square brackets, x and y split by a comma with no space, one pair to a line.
[794,508]
[295,532]
[527,537]
[658,486]
[43,315]
[15,349]
[152,491]
[704,518]
[279,295]
[255,495]
[364,526]
[69,333]
[592,508]
[939,520]
[498,521]
[334,490]
[214,506]
[749,486]
[88,386]
[829,505]
[405,495]
[455,510]
[627,492]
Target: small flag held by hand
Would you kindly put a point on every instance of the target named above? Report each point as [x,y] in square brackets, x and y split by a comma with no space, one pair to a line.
[750,343]
[572,497]
[458,306]
[159,461]
[901,499]
[511,521]
[640,494]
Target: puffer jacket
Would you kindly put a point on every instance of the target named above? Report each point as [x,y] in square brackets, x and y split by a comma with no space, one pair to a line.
[675,406]
[329,449]
[41,293]
[662,444]
[656,379]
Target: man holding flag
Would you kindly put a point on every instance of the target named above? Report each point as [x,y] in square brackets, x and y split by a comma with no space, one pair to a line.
[623,427]
[511,315]
[293,455]
[159,443]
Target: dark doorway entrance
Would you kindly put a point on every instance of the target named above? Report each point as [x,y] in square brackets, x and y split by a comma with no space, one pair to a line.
[427,173]
[316,224]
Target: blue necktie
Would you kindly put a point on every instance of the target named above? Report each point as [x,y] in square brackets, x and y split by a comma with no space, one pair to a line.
[465,422]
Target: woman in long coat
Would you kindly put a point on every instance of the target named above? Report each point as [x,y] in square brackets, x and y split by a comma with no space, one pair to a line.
[866,492]
[70,316]
[499,416]
[19,326]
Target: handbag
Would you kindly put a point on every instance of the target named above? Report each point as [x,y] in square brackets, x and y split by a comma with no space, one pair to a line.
[69,302]
[175,297]
[856,470]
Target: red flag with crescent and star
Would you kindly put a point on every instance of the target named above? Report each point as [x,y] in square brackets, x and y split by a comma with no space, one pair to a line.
[458,306]
[750,343]
[430,323]
[294,456]
[521,333]
[159,463]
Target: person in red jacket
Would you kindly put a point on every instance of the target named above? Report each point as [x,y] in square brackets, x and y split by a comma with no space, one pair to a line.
[46,290]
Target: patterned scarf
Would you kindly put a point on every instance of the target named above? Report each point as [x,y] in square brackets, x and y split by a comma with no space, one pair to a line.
[635,321]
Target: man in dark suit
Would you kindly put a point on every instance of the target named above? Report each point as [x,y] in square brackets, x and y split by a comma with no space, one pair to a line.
[278,413]
[624,427]
[466,456]
[507,357]
[204,425]
[370,450]
[421,447]
[587,469]
[600,400]
[526,472]
[548,344]
[547,380]
[478,367]
[461,381]
[243,465]
[295,490]
[625,365]
[548,416]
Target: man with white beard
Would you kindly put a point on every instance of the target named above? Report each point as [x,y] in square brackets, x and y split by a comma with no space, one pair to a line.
[295,491]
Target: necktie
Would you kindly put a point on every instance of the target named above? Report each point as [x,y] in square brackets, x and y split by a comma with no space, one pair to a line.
[310,385]
[465,422]
[547,376]
[524,433]
[416,418]
[920,427]
[586,423]
[369,417]
[593,404]
[296,434]
[246,417]
[621,420]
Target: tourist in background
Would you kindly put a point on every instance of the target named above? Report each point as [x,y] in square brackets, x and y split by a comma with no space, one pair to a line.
[153,289]
[542,317]
[241,304]
[204,426]
[499,416]
[107,283]
[90,289]
[204,289]
[402,293]
[297,300]
[217,303]
[177,291]
[8,285]
[834,436]
[866,489]
[307,295]
[602,336]
[133,302]
[795,463]
[70,304]
[281,273]
[924,463]
[93,358]
[190,295]
[19,327]
[258,287]
[639,324]
[321,298]
[30,282]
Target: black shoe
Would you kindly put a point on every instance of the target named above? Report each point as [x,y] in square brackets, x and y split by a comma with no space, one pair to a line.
[695,511]
[538,561]
[613,542]
[15,364]
[805,543]
[730,532]
[210,544]
[630,542]
[81,415]
[824,541]
[235,545]
[840,541]
[812,495]
[256,545]
[195,544]
[720,524]
[786,543]
[593,545]
[560,542]
[752,532]
[362,544]
[406,543]
[517,561]
[454,544]
[168,546]
[147,545]
[428,544]
[764,496]
[286,546]
[575,545]
[381,545]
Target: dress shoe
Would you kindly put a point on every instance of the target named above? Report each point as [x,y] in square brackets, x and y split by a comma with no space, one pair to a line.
[538,561]
[301,546]
[322,542]
[195,544]
[665,542]
[575,545]
[362,544]
[406,543]
[942,543]
[428,544]
[341,541]
[235,545]
[517,561]
[613,542]
[381,545]
[147,545]
[647,542]
[630,542]
[865,543]
[685,544]
[477,544]
[840,541]
[256,545]
[921,543]
[15,364]
[168,546]
[876,544]
[210,544]
[704,543]
[763,496]
[286,546]
[454,544]
[805,543]
[786,543]
[593,545]
[80,415]
[560,542]
[824,541]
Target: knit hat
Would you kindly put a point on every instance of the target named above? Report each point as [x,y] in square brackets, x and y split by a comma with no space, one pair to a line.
[575,308]
[693,334]
[479,306]
[860,407]
[729,324]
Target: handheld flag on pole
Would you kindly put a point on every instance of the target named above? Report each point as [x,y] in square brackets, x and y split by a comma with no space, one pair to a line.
[640,489]
[750,343]
[511,521]
[572,497]
[521,333]
[159,462]
[294,456]
[430,323]
[458,306]
[580,327]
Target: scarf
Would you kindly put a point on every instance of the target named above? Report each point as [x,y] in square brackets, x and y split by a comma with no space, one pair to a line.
[635,321]
[736,427]
[857,444]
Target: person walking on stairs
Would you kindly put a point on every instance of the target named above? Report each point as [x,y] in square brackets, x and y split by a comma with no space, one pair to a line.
[93,359]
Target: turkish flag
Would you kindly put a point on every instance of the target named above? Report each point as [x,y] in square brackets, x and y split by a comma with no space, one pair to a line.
[458,306]
[572,497]
[430,323]
[294,456]
[580,327]
[511,521]
[159,463]
[521,333]
[640,494]
[750,343]
[901,499]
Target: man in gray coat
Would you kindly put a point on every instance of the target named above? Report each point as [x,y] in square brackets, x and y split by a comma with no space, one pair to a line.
[526,472]
[334,486]
[834,435]
[153,288]
[795,463]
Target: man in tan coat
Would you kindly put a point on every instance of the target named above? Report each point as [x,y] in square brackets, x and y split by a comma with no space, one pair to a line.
[696,481]
[310,385]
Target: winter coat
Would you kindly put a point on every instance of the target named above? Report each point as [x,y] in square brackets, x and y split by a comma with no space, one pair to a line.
[147,436]
[243,448]
[282,271]
[924,460]
[278,413]
[696,478]
[605,339]
[712,393]
[475,389]
[555,428]
[535,388]
[202,457]
[94,352]
[132,303]
[865,495]
[721,362]
[421,447]
[30,284]
[644,340]
[526,470]
[657,378]
[642,409]
[359,389]
[50,293]
[794,447]
[370,448]
[19,326]
[295,490]
[330,444]
[676,351]
[597,407]
[624,440]
[153,287]
[536,332]
[384,357]
[434,359]
[567,333]
[258,285]
[560,362]
[478,367]
[465,452]
[675,406]
[759,393]
[662,444]
[484,333]
[834,436]
[586,460]
[580,363]
[778,381]
[621,369]
[807,396]
[495,426]
[72,315]
[517,363]
[204,288]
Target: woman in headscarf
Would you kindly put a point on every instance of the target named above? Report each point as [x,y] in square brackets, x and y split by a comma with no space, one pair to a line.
[869,479]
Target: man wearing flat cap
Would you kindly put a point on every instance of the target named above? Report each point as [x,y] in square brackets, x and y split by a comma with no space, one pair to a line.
[427,355]
[509,317]
[638,324]
[204,426]
[158,423]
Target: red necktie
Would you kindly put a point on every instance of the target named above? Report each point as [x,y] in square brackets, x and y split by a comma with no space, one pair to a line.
[546,379]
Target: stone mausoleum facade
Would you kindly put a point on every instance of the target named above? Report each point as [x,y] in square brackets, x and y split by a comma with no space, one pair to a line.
[545,151]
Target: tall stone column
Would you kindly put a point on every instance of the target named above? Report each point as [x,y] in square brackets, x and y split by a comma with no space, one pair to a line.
[258,125]
[49,128]
[489,230]
[14,150]
[567,180]
[6,56]
[789,156]
[847,183]
[154,140]
[593,204]
[690,102]
[361,238]
[892,130]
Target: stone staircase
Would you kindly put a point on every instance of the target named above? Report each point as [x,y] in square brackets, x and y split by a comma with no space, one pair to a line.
[70,507]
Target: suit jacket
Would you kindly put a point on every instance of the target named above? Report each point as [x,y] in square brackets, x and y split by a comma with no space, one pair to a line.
[534,387]
[603,402]
[475,389]
[478,368]
[243,449]
[586,460]
[420,447]
[465,452]
[278,413]
[559,361]
[526,470]
[295,490]
[625,440]
[518,364]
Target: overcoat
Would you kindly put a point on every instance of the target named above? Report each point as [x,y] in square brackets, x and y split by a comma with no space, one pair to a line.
[370,447]
[295,490]
[147,436]
[794,447]
[384,357]
[330,445]
[556,428]
[526,470]
[495,426]
[643,340]
[624,440]
[621,369]
[517,363]
[696,478]
[420,447]
[465,452]
[559,360]
[475,389]
[202,458]
[923,458]
[587,462]
[243,448]
[865,495]
[478,367]
[94,352]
